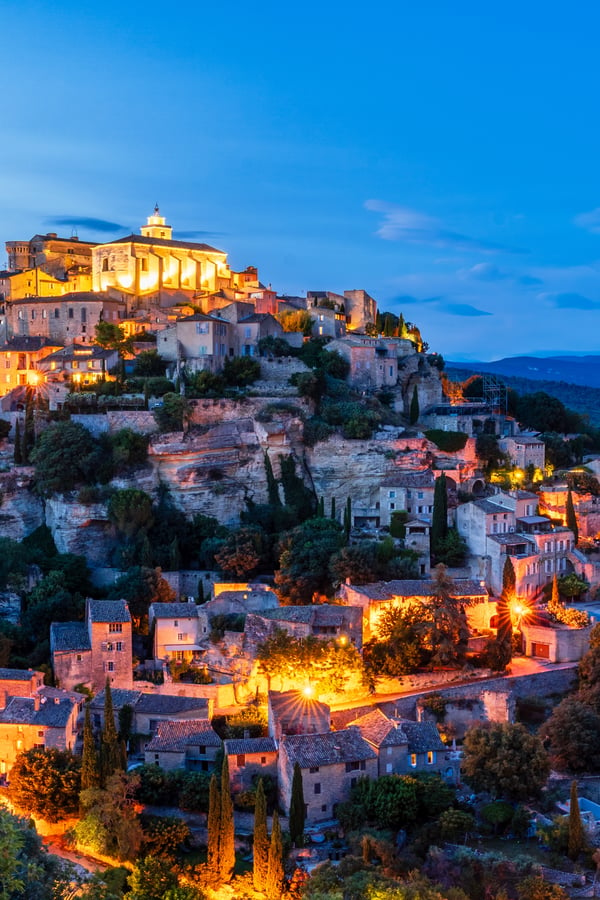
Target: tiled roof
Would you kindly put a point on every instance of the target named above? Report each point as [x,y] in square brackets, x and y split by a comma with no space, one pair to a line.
[380,731]
[79,352]
[163,242]
[170,704]
[109,611]
[120,697]
[422,736]
[176,736]
[174,610]
[69,636]
[385,590]
[318,614]
[16,674]
[511,539]
[488,506]
[410,479]
[327,749]
[24,343]
[250,745]
[22,711]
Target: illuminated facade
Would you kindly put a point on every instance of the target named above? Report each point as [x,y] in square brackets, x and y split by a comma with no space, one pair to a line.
[19,361]
[152,262]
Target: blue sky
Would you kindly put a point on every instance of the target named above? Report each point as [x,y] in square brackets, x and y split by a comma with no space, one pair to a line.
[443,156]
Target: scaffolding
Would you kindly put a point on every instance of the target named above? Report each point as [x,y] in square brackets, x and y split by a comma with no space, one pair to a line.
[495,392]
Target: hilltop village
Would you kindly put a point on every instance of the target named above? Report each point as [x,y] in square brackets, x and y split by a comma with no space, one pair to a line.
[261,554]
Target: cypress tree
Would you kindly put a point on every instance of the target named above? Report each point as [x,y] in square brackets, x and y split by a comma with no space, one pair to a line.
[414,407]
[275,866]
[146,394]
[261,839]
[333,510]
[29,432]
[111,754]
[505,630]
[297,808]
[214,829]
[401,327]
[348,518]
[272,486]
[321,508]
[439,519]
[571,517]
[90,769]
[576,832]
[554,605]
[227,839]
[18,451]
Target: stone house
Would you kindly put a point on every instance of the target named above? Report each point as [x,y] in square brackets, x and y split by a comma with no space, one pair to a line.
[251,329]
[250,759]
[461,712]
[20,358]
[68,319]
[151,709]
[19,683]
[553,503]
[538,551]
[326,621]
[524,450]
[89,652]
[331,765]
[417,537]
[292,712]
[177,629]
[48,719]
[375,598]
[79,364]
[471,418]
[408,491]
[373,361]
[195,343]
[190,745]
[50,253]
[555,642]
[404,747]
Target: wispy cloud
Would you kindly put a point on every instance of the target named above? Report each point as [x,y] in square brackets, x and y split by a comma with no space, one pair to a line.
[570,300]
[86,222]
[589,220]
[487,272]
[409,299]
[400,223]
[463,309]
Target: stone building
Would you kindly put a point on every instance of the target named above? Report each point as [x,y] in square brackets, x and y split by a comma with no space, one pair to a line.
[373,361]
[79,365]
[555,642]
[524,450]
[409,491]
[20,361]
[70,319]
[404,747]
[150,709]
[177,629]
[250,759]
[293,712]
[326,621]
[197,342]
[48,719]
[331,765]
[52,254]
[19,683]
[190,745]
[89,652]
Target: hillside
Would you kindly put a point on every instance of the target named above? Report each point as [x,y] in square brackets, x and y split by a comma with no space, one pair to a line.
[581,370]
[583,399]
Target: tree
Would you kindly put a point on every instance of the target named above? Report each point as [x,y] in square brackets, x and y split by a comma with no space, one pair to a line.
[111,751]
[173,414]
[576,833]
[572,585]
[275,864]
[507,597]
[46,783]
[439,520]
[414,407]
[304,559]
[18,451]
[130,511]
[573,731]
[226,837]
[109,335]
[570,516]
[297,809]
[241,552]
[451,549]
[505,760]
[90,767]
[240,371]
[149,364]
[66,455]
[535,887]
[261,839]
[150,879]
[455,824]
[398,649]
[445,628]
[111,825]
[140,587]
[214,829]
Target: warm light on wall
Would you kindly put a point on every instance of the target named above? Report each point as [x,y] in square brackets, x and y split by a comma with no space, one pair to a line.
[125,281]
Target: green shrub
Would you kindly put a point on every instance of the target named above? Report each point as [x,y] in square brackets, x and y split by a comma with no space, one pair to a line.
[447,441]
[316,430]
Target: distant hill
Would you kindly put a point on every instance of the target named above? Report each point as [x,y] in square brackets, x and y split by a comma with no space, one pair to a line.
[579,397]
[582,370]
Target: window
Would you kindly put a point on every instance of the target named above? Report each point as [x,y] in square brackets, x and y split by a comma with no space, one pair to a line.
[110,666]
[202,750]
[389,751]
[119,646]
[79,657]
[324,807]
[430,757]
[56,313]
[105,264]
[263,760]
[75,364]
[109,645]
[313,769]
[115,627]
[84,314]
[71,312]
[240,760]
[388,768]
[391,494]
[32,314]
[176,623]
[144,265]
[318,787]
[352,766]
[40,734]
[413,760]
[201,327]
[7,363]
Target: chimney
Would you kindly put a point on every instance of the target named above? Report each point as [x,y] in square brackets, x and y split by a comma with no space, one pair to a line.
[36,702]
